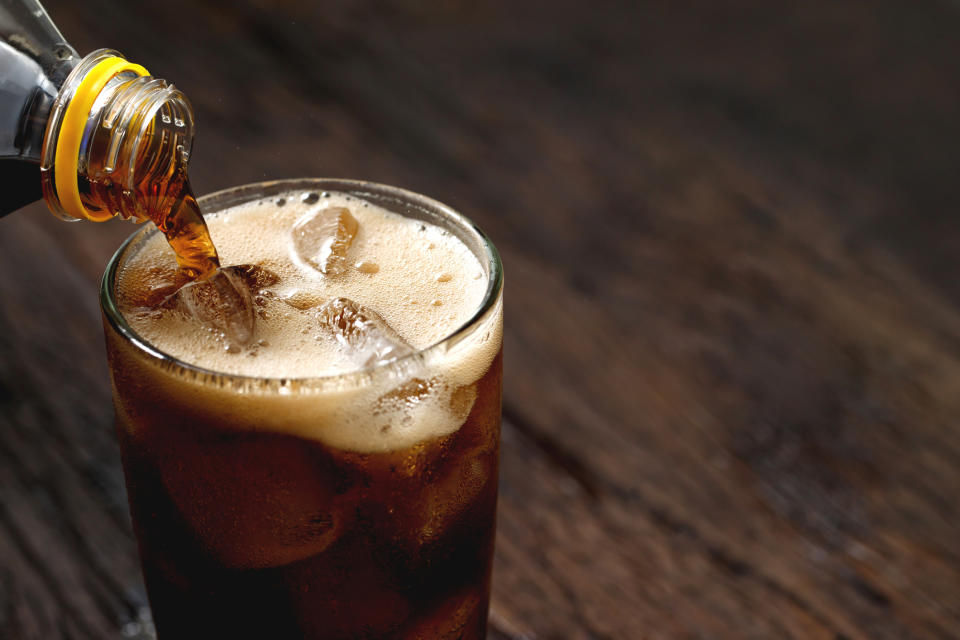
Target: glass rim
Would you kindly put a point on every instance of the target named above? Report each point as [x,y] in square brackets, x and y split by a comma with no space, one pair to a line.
[265,189]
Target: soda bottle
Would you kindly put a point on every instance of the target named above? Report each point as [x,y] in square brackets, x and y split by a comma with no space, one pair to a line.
[94,136]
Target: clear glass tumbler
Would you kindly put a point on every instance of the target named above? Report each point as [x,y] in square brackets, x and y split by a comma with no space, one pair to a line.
[249,529]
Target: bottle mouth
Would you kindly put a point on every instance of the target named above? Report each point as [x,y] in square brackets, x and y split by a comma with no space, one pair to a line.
[65,132]
[148,126]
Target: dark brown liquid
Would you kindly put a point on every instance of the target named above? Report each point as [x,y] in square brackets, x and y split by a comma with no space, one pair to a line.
[187,233]
[174,209]
[263,535]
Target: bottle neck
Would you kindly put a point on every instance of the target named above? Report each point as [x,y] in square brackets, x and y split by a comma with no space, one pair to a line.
[120,138]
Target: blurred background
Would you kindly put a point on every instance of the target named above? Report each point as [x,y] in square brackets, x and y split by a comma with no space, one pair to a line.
[730,233]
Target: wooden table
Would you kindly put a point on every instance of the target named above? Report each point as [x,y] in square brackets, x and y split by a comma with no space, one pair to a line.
[731,232]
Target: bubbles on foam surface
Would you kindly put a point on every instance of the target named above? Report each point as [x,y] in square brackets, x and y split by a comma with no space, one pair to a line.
[393,266]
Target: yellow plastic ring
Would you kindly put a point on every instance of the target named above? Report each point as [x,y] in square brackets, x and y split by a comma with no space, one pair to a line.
[71,134]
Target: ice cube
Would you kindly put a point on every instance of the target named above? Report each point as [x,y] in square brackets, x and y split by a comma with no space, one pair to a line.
[257,277]
[418,399]
[258,280]
[254,501]
[460,489]
[366,336]
[453,493]
[406,396]
[221,302]
[399,406]
[156,283]
[322,238]
[462,399]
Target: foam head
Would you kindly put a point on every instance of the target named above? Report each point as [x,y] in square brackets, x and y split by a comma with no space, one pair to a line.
[339,284]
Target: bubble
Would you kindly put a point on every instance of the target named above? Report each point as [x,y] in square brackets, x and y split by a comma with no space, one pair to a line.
[367,267]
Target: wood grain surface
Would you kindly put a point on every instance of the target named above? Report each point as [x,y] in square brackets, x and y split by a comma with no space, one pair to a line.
[730,233]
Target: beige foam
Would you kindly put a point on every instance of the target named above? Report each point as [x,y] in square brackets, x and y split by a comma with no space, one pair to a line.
[426,285]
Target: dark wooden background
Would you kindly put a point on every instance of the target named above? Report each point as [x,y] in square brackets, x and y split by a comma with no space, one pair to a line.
[731,235]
